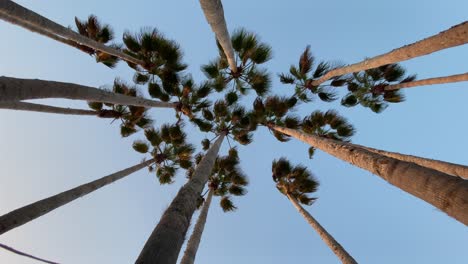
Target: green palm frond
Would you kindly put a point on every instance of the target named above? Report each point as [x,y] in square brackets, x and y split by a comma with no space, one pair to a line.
[227,205]
[140,146]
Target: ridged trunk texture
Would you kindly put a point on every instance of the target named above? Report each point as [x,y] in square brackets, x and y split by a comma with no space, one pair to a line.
[32,211]
[452,37]
[195,238]
[26,254]
[431,81]
[445,167]
[448,193]
[164,244]
[14,89]
[24,106]
[214,13]
[17,12]
[339,251]
[13,20]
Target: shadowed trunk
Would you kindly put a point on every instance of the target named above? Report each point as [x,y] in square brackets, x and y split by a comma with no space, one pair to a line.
[14,89]
[339,251]
[26,254]
[32,211]
[164,244]
[445,167]
[17,13]
[214,13]
[195,238]
[452,37]
[448,193]
[431,81]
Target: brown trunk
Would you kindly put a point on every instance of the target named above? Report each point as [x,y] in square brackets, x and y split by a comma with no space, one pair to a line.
[164,244]
[14,89]
[195,238]
[26,254]
[452,37]
[448,193]
[32,211]
[339,251]
[445,167]
[431,81]
[19,13]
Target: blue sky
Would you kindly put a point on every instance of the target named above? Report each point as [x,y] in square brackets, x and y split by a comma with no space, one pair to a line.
[42,154]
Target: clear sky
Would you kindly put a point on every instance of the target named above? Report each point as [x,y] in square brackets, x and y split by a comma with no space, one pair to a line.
[41,154]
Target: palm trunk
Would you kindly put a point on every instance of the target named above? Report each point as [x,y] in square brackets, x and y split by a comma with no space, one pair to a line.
[442,166]
[14,89]
[452,37]
[19,13]
[13,20]
[339,251]
[214,13]
[15,105]
[164,244]
[448,193]
[32,211]
[26,254]
[438,80]
[195,238]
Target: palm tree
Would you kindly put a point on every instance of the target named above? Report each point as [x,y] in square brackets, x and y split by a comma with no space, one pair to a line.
[226,179]
[249,53]
[448,193]
[296,183]
[15,105]
[14,13]
[437,80]
[214,13]
[452,37]
[15,89]
[442,166]
[164,244]
[367,87]
[32,211]
[169,150]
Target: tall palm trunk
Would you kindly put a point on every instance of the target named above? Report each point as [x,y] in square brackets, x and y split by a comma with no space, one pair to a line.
[13,20]
[14,89]
[214,13]
[25,254]
[339,251]
[195,238]
[164,244]
[445,167]
[24,106]
[448,193]
[19,13]
[32,211]
[452,37]
[438,80]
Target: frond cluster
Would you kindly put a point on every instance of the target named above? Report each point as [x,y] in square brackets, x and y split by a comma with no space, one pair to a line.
[296,181]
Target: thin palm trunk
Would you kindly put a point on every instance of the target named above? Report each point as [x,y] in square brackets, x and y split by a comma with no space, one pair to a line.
[26,254]
[164,244]
[431,81]
[19,13]
[32,211]
[442,166]
[452,37]
[339,251]
[13,20]
[24,106]
[195,238]
[214,13]
[448,193]
[14,89]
